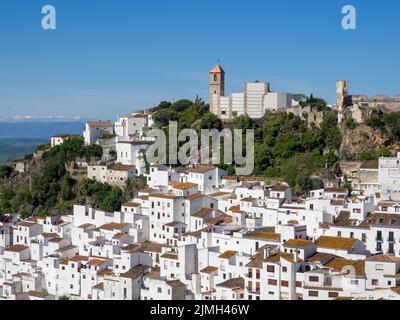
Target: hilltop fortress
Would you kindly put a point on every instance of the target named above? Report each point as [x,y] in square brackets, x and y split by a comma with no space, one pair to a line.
[357,105]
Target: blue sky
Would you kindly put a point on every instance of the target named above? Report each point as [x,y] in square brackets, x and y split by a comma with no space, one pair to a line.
[109,57]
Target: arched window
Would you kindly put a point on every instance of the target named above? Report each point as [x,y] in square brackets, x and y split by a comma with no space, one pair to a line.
[215,77]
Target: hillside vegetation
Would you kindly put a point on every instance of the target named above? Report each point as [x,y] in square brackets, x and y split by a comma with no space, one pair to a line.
[48,186]
[284,145]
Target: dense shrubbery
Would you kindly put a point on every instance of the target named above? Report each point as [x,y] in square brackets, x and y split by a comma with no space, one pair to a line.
[5,171]
[387,124]
[284,145]
[53,190]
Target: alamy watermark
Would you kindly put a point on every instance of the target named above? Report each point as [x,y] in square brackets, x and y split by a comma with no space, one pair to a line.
[349,21]
[226,147]
[49,19]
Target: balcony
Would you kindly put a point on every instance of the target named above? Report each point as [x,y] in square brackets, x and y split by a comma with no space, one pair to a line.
[379,239]
[391,240]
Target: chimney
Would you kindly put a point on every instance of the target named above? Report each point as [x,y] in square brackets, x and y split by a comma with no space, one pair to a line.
[296,256]
[267,253]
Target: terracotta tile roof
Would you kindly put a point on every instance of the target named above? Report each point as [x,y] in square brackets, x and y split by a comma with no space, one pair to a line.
[163,196]
[131,247]
[79,258]
[194,196]
[209,270]
[114,226]
[153,275]
[37,294]
[336,243]
[202,169]
[120,167]
[197,234]
[96,262]
[119,235]
[56,239]
[219,194]
[223,218]
[217,69]
[343,220]
[248,199]
[135,272]
[173,224]
[202,213]
[340,264]
[263,235]
[279,187]
[321,257]
[296,243]
[184,185]
[383,258]
[236,283]
[99,123]
[257,260]
[17,248]
[99,286]
[382,219]
[337,202]
[25,224]
[170,256]
[86,226]
[49,235]
[66,248]
[131,204]
[276,258]
[152,246]
[235,209]
[231,178]
[227,254]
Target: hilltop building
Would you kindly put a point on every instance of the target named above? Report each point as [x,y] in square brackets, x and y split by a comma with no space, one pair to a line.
[255,100]
[359,103]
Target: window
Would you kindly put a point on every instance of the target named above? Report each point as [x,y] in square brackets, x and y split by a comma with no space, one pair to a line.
[364,237]
[272,282]
[313,293]
[375,282]
[271,268]
[159,290]
[313,279]
[215,77]
[285,283]
[333,294]
[284,269]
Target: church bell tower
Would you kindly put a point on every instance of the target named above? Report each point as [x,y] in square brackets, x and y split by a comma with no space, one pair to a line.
[217,88]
